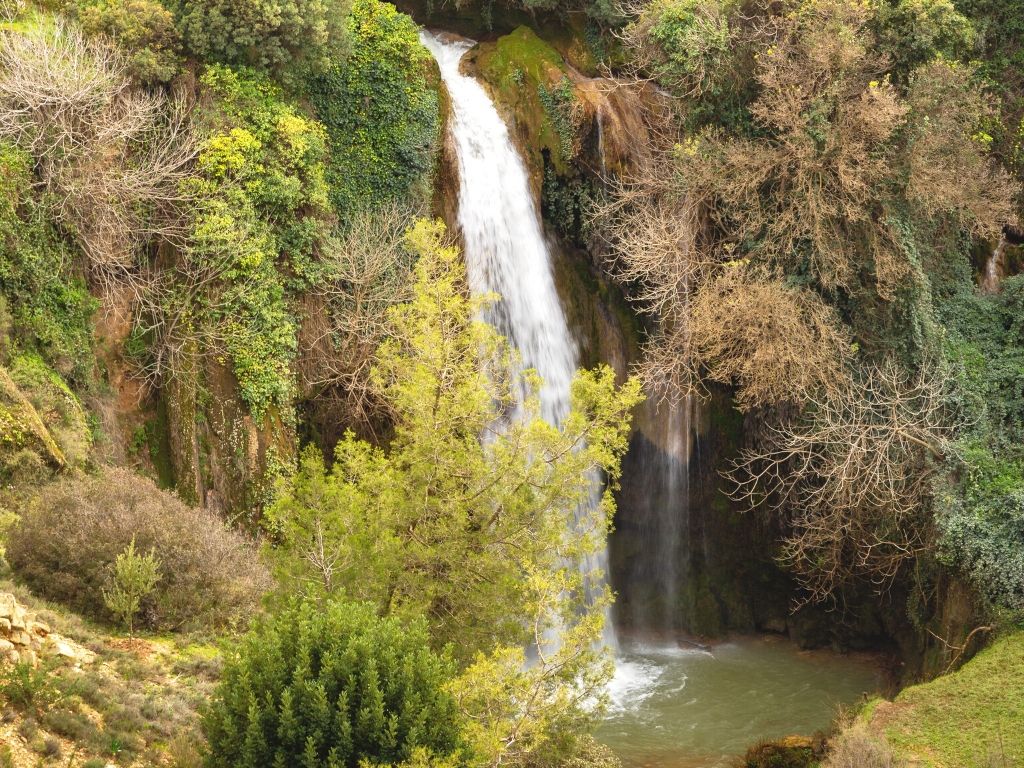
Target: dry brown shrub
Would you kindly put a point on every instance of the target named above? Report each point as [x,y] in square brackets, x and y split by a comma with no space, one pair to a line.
[949,172]
[856,748]
[65,543]
[810,189]
[774,342]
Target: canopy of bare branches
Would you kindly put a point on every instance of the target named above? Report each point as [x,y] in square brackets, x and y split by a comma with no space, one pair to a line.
[110,155]
[852,475]
[345,317]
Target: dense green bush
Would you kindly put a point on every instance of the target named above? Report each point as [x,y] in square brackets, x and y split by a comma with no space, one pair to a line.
[143,29]
[262,214]
[66,543]
[332,685]
[980,510]
[50,308]
[380,111]
[283,37]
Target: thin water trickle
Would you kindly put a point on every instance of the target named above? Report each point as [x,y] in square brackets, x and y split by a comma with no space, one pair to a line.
[505,249]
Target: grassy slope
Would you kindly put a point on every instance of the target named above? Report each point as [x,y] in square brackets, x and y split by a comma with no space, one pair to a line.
[972,717]
[137,705]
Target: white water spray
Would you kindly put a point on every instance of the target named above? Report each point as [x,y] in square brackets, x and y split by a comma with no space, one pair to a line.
[505,249]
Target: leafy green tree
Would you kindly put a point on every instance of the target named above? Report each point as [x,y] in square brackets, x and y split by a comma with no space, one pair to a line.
[133,578]
[283,37]
[144,29]
[380,110]
[332,684]
[477,522]
[685,44]
[464,519]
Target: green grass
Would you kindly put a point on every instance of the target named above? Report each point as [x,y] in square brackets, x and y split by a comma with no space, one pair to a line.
[971,718]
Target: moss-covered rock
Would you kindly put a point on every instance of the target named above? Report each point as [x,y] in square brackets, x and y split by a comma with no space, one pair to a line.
[517,69]
[241,457]
[26,444]
[57,406]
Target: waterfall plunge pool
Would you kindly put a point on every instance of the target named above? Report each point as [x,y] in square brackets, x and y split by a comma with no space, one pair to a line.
[687,707]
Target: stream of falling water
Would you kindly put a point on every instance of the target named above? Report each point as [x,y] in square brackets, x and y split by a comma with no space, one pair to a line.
[673,707]
[506,252]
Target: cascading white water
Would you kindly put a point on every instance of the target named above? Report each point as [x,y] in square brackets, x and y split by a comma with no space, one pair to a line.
[505,249]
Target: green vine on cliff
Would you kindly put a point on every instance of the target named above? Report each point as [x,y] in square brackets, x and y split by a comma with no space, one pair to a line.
[565,112]
[381,112]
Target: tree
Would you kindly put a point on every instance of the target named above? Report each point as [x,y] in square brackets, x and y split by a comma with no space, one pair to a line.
[133,578]
[477,521]
[463,510]
[367,270]
[144,31]
[283,37]
[683,44]
[776,343]
[332,684]
[112,157]
[852,475]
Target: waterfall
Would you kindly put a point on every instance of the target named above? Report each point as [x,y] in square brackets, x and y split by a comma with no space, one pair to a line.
[994,267]
[504,245]
[654,540]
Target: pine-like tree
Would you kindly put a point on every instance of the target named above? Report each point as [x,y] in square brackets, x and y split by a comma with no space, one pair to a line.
[330,686]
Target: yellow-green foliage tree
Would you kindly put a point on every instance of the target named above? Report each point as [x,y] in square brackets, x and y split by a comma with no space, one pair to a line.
[473,520]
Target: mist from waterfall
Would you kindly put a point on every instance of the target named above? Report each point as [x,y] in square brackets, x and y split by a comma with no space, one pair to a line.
[506,252]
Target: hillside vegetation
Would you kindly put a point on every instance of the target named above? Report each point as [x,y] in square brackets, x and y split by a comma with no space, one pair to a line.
[256,457]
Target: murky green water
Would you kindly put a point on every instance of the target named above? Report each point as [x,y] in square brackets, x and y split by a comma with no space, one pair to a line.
[690,708]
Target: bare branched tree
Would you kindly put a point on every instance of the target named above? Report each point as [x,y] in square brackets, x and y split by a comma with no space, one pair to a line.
[851,475]
[716,318]
[345,316]
[10,10]
[110,156]
[653,235]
